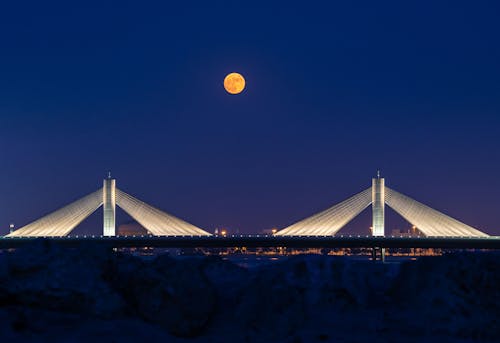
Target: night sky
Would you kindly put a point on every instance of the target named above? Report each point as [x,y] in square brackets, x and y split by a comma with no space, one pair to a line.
[334,92]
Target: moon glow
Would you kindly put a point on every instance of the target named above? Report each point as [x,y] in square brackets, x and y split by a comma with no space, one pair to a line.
[234,83]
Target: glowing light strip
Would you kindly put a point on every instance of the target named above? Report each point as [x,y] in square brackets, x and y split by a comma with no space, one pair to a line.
[331,220]
[429,221]
[63,221]
[154,220]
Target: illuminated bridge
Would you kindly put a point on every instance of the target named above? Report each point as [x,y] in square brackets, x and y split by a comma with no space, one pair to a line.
[63,221]
[427,220]
[323,226]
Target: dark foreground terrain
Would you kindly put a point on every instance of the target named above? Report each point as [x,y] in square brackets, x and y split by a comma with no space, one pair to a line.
[52,294]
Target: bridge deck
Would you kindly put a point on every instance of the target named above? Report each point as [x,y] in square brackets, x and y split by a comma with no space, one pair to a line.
[256,241]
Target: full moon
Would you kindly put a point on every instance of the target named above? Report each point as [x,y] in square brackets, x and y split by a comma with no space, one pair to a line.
[234,83]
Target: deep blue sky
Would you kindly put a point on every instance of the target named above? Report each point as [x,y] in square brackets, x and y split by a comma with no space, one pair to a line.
[334,92]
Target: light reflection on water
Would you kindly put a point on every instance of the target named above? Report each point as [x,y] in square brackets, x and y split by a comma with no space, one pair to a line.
[252,261]
[249,261]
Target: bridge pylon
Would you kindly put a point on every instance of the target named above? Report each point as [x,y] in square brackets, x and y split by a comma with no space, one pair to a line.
[378,206]
[109,206]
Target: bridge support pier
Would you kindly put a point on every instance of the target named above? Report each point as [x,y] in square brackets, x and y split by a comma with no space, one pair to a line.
[109,206]
[378,253]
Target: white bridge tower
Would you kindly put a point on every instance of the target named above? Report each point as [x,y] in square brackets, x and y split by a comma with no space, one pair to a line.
[109,206]
[378,202]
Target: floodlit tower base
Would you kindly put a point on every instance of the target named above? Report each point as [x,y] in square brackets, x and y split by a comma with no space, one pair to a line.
[109,206]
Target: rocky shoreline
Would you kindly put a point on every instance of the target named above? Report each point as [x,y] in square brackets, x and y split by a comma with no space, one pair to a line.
[54,294]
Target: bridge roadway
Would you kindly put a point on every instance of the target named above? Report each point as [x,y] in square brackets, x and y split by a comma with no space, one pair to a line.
[262,241]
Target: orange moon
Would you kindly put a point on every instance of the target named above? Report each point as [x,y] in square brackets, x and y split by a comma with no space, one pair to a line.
[234,83]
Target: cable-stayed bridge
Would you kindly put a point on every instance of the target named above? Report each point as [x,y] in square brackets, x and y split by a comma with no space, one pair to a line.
[61,222]
[427,220]
[327,223]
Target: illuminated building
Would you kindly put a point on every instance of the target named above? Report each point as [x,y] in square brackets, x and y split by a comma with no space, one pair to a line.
[132,228]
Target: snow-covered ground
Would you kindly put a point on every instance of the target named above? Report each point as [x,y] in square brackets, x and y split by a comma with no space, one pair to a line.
[51,294]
